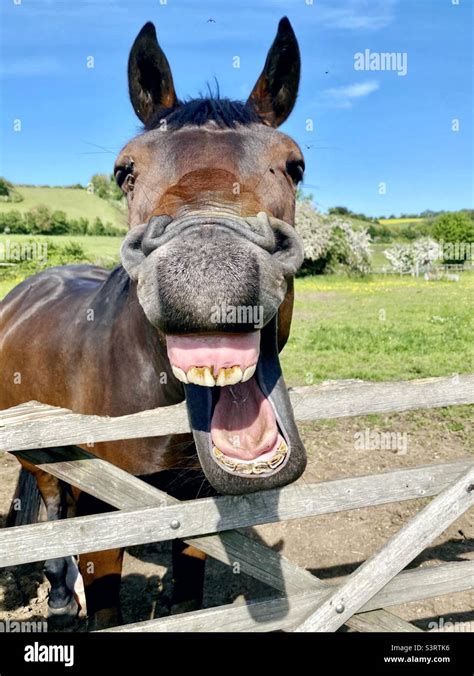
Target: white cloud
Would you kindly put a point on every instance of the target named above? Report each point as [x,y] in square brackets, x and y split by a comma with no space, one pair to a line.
[343,97]
[357,14]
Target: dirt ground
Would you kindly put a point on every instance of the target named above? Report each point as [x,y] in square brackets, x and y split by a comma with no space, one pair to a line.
[330,546]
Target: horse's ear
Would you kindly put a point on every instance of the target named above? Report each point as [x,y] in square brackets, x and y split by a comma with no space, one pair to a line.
[275,91]
[150,81]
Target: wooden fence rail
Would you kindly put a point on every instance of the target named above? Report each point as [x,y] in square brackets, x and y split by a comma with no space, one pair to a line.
[48,437]
[126,527]
[35,425]
[288,611]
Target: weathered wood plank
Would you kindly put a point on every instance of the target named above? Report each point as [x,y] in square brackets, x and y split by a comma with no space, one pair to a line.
[350,398]
[286,613]
[397,553]
[124,491]
[119,489]
[34,425]
[380,620]
[196,517]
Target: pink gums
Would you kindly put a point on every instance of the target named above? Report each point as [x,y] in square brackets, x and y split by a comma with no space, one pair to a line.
[243,423]
[216,351]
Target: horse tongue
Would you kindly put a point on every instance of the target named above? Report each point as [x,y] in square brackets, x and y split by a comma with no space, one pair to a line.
[243,424]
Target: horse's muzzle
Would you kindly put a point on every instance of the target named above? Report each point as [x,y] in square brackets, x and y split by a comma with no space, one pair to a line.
[189,267]
[213,283]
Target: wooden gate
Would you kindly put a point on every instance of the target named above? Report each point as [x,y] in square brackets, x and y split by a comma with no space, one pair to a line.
[306,603]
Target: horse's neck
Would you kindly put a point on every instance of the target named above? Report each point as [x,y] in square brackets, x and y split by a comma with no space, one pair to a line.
[118,303]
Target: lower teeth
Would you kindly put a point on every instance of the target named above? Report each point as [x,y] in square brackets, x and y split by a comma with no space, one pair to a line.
[256,467]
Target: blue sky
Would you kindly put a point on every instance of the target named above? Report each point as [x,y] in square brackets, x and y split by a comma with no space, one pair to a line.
[370,127]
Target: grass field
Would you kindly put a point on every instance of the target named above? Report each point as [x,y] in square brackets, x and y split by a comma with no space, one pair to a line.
[378,258]
[75,203]
[374,328]
[379,328]
[99,250]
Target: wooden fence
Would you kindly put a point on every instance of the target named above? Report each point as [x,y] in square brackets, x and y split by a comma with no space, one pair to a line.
[305,603]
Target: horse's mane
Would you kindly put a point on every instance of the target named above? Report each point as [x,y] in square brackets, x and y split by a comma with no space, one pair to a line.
[224,112]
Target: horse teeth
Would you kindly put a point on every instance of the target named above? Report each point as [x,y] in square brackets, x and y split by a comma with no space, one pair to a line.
[275,461]
[248,373]
[229,376]
[201,375]
[244,468]
[179,374]
[255,467]
[259,467]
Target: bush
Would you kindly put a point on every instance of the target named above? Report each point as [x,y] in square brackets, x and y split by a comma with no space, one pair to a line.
[78,226]
[53,254]
[4,187]
[41,221]
[104,186]
[8,193]
[331,244]
[100,228]
[13,221]
[381,233]
[59,223]
[38,220]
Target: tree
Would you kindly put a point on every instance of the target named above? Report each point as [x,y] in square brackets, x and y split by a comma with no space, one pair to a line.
[339,211]
[4,188]
[413,258]
[454,227]
[13,221]
[331,243]
[38,219]
[115,192]
[59,223]
[100,184]
[104,186]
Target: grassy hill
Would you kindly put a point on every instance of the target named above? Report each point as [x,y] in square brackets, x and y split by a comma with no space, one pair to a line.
[75,203]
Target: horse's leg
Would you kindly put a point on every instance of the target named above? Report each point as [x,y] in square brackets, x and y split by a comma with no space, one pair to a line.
[188,577]
[188,562]
[62,606]
[101,572]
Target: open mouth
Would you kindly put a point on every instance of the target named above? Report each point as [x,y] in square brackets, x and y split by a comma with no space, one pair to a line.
[238,405]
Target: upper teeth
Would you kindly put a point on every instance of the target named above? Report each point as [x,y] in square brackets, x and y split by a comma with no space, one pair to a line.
[229,376]
[203,375]
[200,375]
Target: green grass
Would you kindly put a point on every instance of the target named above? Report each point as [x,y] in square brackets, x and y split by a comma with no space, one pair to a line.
[100,250]
[373,328]
[379,328]
[75,203]
[378,258]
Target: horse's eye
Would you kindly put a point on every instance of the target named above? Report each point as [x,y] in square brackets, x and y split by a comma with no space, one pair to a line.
[295,170]
[124,177]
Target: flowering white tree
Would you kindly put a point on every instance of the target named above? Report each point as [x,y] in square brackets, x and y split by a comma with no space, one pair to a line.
[426,251]
[332,241]
[412,258]
[314,230]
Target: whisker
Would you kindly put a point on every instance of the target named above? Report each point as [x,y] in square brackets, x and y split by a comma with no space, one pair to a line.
[103,148]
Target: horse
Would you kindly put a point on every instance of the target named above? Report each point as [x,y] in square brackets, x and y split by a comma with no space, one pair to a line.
[198,310]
